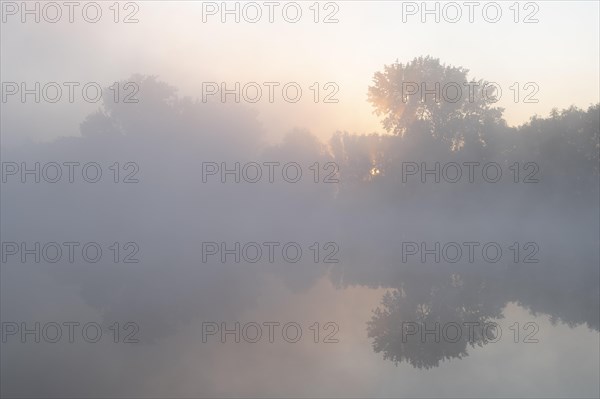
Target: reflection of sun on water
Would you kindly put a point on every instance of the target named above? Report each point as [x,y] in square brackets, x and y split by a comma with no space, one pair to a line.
[375,171]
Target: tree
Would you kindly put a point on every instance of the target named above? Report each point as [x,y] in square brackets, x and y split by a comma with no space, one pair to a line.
[427,96]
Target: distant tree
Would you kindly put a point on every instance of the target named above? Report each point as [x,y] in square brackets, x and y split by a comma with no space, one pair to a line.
[566,145]
[457,113]
[154,111]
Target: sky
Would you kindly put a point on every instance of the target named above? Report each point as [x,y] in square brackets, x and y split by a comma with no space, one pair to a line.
[171,40]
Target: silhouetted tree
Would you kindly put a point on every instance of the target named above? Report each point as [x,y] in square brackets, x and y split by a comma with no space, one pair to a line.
[457,113]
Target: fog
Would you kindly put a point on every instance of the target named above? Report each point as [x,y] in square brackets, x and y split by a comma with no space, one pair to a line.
[297,249]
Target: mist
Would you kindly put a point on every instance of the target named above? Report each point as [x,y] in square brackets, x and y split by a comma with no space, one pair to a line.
[395,228]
